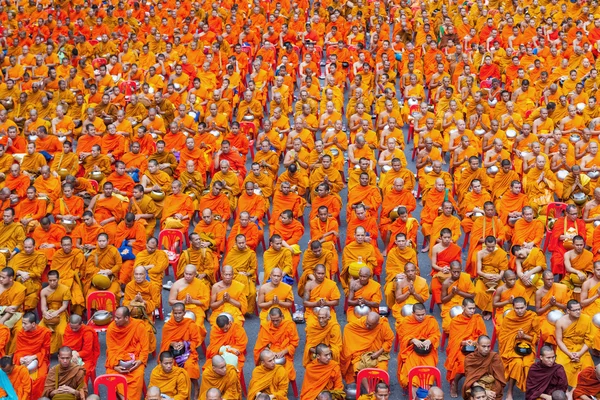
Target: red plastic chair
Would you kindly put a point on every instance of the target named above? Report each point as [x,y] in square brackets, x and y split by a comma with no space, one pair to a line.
[171,236]
[94,185]
[373,377]
[425,375]
[559,210]
[100,300]
[111,381]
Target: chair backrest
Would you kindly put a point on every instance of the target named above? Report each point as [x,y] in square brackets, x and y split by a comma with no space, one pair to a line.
[111,381]
[170,236]
[99,301]
[373,377]
[94,184]
[559,210]
[426,375]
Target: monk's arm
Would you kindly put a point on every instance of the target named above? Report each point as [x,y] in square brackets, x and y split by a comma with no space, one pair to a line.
[449,293]
[584,299]
[538,304]
[559,340]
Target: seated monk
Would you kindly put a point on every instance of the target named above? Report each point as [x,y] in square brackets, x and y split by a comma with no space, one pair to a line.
[83,341]
[313,256]
[17,181]
[177,210]
[67,378]
[417,330]
[408,288]
[122,182]
[217,201]
[96,165]
[155,180]
[442,254]
[281,337]
[276,256]
[29,266]
[269,378]
[254,204]
[454,289]
[231,183]
[30,210]
[127,339]
[181,336]
[230,334]
[466,328]
[399,256]
[212,226]
[245,267]
[520,329]
[320,292]
[68,209]
[574,337]
[108,211]
[291,231]
[18,377]
[322,331]
[223,377]
[104,260]
[47,237]
[325,229]
[247,227]
[357,251]
[322,374]
[286,199]
[190,291]
[550,296]
[55,299]
[484,368]
[70,265]
[33,344]
[578,265]
[367,343]
[324,198]
[141,298]
[228,296]
[172,380]
[12,233]
[561,238]
[487,225]
[404,224]
[145,209]
[590,302]
[154,261]
[588,384]
[530,262]
[492,261]
[201,255]
[275,294]
[130,238]
[363,291]
[86,234]
[545,376]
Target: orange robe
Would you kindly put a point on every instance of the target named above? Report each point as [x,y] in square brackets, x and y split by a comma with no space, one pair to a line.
[184,331]
[462,329]
[407,357]
[35,342]
[235,337]
[283,337]
[85,342]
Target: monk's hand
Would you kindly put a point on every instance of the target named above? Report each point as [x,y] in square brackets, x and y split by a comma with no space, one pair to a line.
[491,395]
[553,300]
[418,343]
[136,364]
[426,344]
[121,370]
[582,276]
[226,297]
[574,356]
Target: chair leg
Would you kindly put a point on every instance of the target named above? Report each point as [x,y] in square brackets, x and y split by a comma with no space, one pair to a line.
[294,388]
[204,347]
[396,343]
[243,383]
[444,337]
[431,305]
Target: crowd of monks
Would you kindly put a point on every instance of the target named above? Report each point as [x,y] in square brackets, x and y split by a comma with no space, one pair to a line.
[207,141]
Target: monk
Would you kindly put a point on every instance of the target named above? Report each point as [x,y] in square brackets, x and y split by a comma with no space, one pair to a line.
[228,296]
[269,378]
[492,262]
[244,264]
[172,380]
[181,337]
[141,298]
[104,260]
[155,262]
[281,337]
[231,334]
[488,225]
[320,292]
[466,328]
[322,331]
[551,296]
[275,294]
[530,262]
[122,182]
[18,376]
[546,376]
[216,201]
[223,377]
[247,226]
[368,338]
[30,210]
[12,233]
[29,266]
[254,204]
[578,265]
[286,199]
[324,198]
[201,255]
[363,291]
[313,256]
[145,209]
[432,202]
[442,254]
[291,232]
[590,303]
[417,330]
[108,211]
[404,224]
[70,265]
[409,289]
[520,328]
[573,339]
[561,239]
[55,299]
[277,256]
[66,378]
[484,368]
[33,344]
[85,235]
[127,339]
[454,289]
[190,291]
[47,237]
[212,225]
[83,341]
[359,251]
[130,238]
[322,374]
[68,209]
[177,210]
[588,384]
